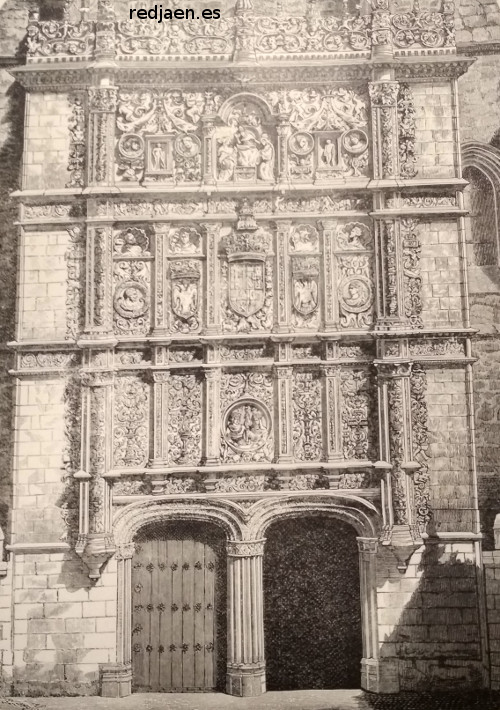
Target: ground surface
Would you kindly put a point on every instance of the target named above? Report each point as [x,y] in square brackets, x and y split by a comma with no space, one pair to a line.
[298,700]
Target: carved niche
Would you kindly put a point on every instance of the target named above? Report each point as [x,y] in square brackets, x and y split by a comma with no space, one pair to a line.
[246,417]
[354,275]
[159,135]
[245,142]
[131,281]
[328,133]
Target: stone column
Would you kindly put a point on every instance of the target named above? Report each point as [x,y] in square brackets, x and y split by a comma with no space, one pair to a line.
[396,450]
[105,41]
[284,444]
[368,584]
[213,311]
[98,290]
[384,110]
[246,675]
[160,418]
[328,229]
[101,148]
[212,416]
[159,306]
[332,413]
[282,276]
[208,164]
[116,678]
[283,129]
[95,540]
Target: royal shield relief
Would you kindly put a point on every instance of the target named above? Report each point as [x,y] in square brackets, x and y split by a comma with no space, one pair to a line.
[246,286]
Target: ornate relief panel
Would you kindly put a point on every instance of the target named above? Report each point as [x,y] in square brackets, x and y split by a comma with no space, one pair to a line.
[307,416]
[130,422]
[304,272]
[159,135]
[246,417]
[247,278]
[131,281]
[184,419]
[359,419]
[353,252]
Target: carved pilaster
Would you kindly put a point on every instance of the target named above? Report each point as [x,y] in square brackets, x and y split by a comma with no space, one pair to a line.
[102,108]
[390,285]
[327,230]
[209,163]
[246,659]
[98,301]
[160,418]
[368,582]
[396,448]
[284,442]
[332,413]
[213,310]
[246,35]
[283,276]
[95,540]
[105,40]
[283,129]
[160,324]
[212,415]
[382,47]
[384,97]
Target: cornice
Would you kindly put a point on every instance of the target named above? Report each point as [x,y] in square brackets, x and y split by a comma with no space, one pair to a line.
[295,71]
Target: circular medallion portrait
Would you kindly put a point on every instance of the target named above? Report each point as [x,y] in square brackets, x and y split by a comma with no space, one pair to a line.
[355,141]
[356,294]
[131,146]
[301,143]
[131,299]
[187,145]
[246,425]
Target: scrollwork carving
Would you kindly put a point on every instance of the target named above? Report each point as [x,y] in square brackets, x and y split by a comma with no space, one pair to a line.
[77,150]
[307,436]
[131,422]
[411,272]
[184,419]
[358,415]
[420,439]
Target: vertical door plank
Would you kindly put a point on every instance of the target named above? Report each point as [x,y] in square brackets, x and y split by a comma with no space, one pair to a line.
[199,626]
[176,610]
[164,616]
[188,547]
[211,650]
[153,617]
[140,630]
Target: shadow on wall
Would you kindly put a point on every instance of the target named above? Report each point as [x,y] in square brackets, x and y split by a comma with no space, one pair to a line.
[13,17]
[482,200]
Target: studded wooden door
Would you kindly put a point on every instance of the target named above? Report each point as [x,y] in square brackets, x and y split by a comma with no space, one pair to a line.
[178,609]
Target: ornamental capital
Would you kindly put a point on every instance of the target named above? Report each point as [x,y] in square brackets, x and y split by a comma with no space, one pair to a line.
[245,548]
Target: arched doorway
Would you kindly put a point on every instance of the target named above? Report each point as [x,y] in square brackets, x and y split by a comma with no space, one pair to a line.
[312,613]
[179,608]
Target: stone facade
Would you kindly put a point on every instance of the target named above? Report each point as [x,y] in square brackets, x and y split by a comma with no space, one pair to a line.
[242,297]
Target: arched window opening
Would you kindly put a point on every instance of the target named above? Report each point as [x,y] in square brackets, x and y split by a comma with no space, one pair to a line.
[481,202]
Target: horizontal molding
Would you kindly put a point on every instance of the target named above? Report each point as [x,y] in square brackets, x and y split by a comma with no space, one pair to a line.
[26,548]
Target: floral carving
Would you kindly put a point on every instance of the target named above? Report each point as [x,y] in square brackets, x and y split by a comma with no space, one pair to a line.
[357,480]
[77,148]
[240,484]
[411,272]
[131,487]
[431,30]
[75,282]
[420,439]
[396,447]
[131,296]
[306,396]
[131,417]
[33,213]
[45,39]
[184,419]
[437,347]
[33,361]
[321,203]
[407,132]
[358,415]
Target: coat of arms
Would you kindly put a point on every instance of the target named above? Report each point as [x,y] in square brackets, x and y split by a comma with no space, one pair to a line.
[305,285]
[185,277]
[246,286]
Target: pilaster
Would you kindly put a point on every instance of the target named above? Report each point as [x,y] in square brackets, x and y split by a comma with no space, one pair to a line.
[160,381]
[389,268]
[384,110]
[332,413]
[327,230]
[212,415]
[95,540]
[282,324]
[100,149]
[246,676]
[283,379]
[213,310]
[98,292]
[160,325]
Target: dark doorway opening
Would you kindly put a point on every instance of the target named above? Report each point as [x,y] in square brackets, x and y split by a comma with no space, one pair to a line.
[312,612]
[179,608]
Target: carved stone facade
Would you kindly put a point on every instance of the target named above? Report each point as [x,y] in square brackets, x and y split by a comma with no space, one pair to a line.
[261,302]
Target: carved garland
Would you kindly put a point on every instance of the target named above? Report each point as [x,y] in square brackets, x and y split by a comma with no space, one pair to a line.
[407,132]
[77,151]
[420,437]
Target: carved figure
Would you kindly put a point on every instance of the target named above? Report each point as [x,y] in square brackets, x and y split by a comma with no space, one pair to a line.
[158,157]
[247,148]
[329,153]
[226,159]
[305,295]
[265,170]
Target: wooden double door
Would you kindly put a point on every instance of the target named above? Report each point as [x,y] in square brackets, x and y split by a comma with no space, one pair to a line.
[179,608]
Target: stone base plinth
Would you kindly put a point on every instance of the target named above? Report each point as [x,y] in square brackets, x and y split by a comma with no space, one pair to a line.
[116,680]
[379,676]
[246,681]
